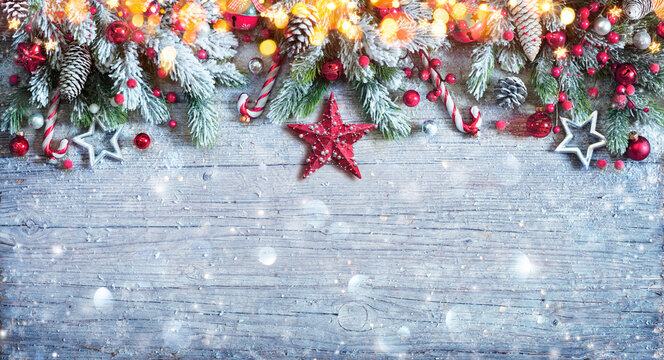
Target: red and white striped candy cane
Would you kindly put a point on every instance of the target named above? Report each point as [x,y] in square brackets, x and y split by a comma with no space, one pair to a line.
[470,128]
[48,133]
[249,113]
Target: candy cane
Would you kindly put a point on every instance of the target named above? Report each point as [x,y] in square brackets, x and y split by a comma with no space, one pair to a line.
[48,133]
[249,113]
[470,128]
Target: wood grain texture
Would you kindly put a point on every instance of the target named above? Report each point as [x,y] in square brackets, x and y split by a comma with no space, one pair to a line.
[449,247]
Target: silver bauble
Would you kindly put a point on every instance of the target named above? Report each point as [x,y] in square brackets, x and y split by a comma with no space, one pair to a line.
[256,66]
[641,40]
[36,121]
[430,127]
[94,108]
[602,26]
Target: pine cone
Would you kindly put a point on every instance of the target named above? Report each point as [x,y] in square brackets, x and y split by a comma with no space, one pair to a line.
[300,27]
[76,66]
[15,9]
[528,27]
[510,92]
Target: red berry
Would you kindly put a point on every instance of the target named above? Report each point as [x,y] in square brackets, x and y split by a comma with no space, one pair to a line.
[436,63]
[567,105]
[162,73]
[13,80]
[630,104]
[156,92]
[407,72]
[462,25]
[171,97]
[577,50]
[556,129]
[591,71]
[593,6]
[646,110]
[424,75]
[584,24]
[508,35]
[620,89]
[131,83]
[593,92]
[602,57]
[619,165]
[562,97]
[119,99]
[612,37]
[555,71]
[450,78]
[151,52]
[629,90]
[431,96]
[67,164]
[654,68]
[363,61]
[438,91]
[93,10]
[137,36]
[202,54]
[500,125]
[172,123]
[612,19]
[601,163]
[246,38]
[660,29]
[265,33]
[411,98]
[550,108]
[583,13]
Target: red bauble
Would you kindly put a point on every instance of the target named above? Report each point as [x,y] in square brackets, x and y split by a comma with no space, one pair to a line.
[450,78]
[131,83]
[593,6]
[638,147]
[601,163]
[556,39]
[151,52]
[626,74]
[411,98]
[332,70]
[119,99]
[363,61]
[142,141]
[584,24]
[619,165]
[172,123]
[67,164]
[438,91]
[660,29]
[654,68]
[244,21]
[577,50]
[156,92]
[202,54]
[30,56]
[436,63]
[19,146]
[171,97]
[117,32]
[431,96]
[13,80]
[538,124]
[562,97]
[602,57]
[567,105]
[424,75]
[593,92]
[508,35]
[550,108]
[583,13]
[620,101]
[620,89]
[591,71]
[500,125]
[630,90]
[162,73]
[137,36]
[556,129]
[612,37]
[555,71]
[407,72]
[612,19]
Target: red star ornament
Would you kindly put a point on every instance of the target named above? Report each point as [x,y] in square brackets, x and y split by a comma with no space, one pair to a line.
[30,56]
[331,139]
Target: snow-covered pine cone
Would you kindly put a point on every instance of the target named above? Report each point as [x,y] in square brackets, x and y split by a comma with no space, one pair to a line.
[528,27]
[15,9]
[299,29]
[76,65]
[510,92]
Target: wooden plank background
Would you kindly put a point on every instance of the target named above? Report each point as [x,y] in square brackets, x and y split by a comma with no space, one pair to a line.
[449,247]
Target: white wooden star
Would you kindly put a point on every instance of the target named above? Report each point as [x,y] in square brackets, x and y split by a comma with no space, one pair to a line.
[563,147]
[94,158]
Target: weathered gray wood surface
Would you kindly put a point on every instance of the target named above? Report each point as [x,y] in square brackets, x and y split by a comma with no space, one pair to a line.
[449,247]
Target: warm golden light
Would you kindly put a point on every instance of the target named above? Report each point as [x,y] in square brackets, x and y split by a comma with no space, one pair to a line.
[76,11]
[545,6]
[615,11]
[13,24]
[167,58]
[438,28]
[654,47]
[567,15]
[112,4]
[267,47]
[50,45]
[560,53]
[220,25]
[458,11]
[441,15]
[317,36]
[137,20]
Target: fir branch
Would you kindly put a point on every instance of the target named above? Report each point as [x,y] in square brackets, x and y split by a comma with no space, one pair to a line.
[202,120]
[381,110]
[218,45]
[482,62]
[284,106]
[349,55]
[313,97]
[572,85]
[546,86]
[306,65]
[80,115]
[617,130]
[226,73]
[511,58]
[19,106]
[40,85]
[391,77]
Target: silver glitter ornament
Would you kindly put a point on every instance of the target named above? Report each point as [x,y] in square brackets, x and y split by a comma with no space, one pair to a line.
[430,127]
[256,66]
[93,108]
[641,40]
[602,26]
[36,120]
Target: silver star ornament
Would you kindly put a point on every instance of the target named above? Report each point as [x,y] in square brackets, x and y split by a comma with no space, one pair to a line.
[92,156]
[564,145]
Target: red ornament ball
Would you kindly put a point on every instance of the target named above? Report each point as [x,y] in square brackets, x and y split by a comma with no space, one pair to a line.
[332,70]
[500,125]
[620,89]
[161,73]
[556,39]
[172,124]
[171,97]
[630,104]
[562,97]
[508,35]
[363,61]
[67,164]
[660,29]
[646,110]
[424,75]
[612,37]
[612,19]
[593,92]
[550,108]
[137,36]
[538,124]
[593,6]
[151,52]
[119,99]
[438,91]
[156,92]
[142,141]
[117,32]
[602,57]
[630,90]
[577,50]
[638,147]
[619,165]
[601,163]
[202,54]
[654,68]
[19,146]
[556,129]
[591,71]
[626,74]
[407,72]
[583,13]
[555,71]
[584,24]
[411,98]
[13,80]
[131,83]
[567,105]
[436,63]
[431,96]
[450,78]
[620,101]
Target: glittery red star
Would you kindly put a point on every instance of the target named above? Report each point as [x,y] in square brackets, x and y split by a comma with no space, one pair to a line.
[30,56]
[331,139]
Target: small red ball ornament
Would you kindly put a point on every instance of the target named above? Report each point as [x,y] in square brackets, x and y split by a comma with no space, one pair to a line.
[654,68]
[577,50]
[19,146]
[619,165]
[431,96]
[638,147]
[562,97]
[612,37]
[583,13]
[612,19]
[171,97]
[602,57]
[436,63]
[556,129]
[550,108]
[117,32]
[630,90]
[13,80]
[438,91]
[567,105]
[161,73]
[660,29]
[142,141]
[556,39]
[411,98]
[151,52]
[363,61]
[593,6]
[501,125]
[137,36]
[591,71]
[620,101]
[555,71]
[407,72]
[156,92]
[620,89]
[584,24]
[450,78]
[119,99]
[626,74]
[508,35]
[67,164]
[332,70]
[131,83]
[593,92]
[202,54]
[538,124]
[172,124]
[424,75]
[601,163]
